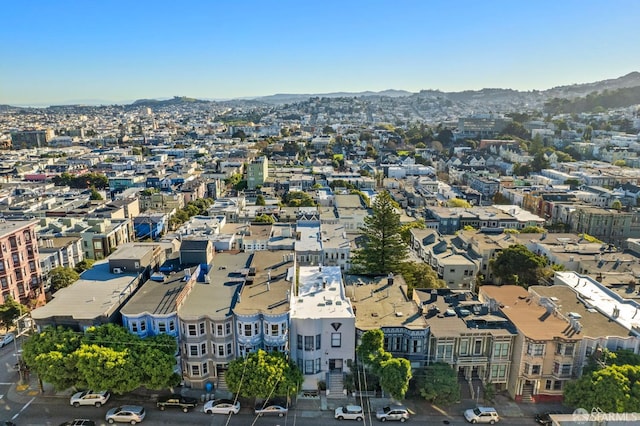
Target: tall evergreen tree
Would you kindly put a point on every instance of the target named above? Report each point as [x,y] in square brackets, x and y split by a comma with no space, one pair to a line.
[383,250]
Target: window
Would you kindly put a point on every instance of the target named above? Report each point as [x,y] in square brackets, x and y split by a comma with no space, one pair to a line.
[336,340]
[565,349]
[143,326]
[203,349]
[220,350]
[308,366]
[477,347]
[205,368]
[256,328]
[275,329]
[219,330]
[308,343]
[499,371]
[557,385]
[317,365]
[227,328]
[172,326]
[532,369]
[195,370]
[318,341]
[535,349]
[201,328]
[501,350]
[134,326]
[562,369]
[229,352]
[192,330]
[247,329]
[162,327]
[299,338]
[193,350]
[444,351]
[416,346]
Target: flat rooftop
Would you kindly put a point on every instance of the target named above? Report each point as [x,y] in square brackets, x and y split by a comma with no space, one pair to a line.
[594,323]
[320,294]
[268,291]
[157,297]
[215,299]
[625,312]
[533,320]
[97,293]
[377,303]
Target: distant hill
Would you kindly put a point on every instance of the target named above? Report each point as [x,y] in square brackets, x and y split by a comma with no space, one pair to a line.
[291,97]
[176,100]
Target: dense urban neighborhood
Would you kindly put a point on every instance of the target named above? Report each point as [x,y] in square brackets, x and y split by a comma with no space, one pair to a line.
[431,246]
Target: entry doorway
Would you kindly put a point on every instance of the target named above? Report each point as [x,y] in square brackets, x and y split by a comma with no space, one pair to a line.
[335,365]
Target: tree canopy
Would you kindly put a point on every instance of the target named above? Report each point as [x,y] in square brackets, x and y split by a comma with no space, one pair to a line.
[104,357]
[394,373]
[438,384]
[383,250]
[298,199]
[518,265]
[62,276]
[263,375]
[613,389]
[10,310]
[458,202]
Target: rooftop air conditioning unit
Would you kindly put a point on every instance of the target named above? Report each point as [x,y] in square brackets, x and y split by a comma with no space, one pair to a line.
[117,270]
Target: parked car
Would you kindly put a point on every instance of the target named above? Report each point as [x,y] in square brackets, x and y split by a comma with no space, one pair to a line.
[273,408]
[79,422]
[126,414]
[545,418]
[89,397]
[482,415]
[394,412]
[222,406]
[5,339]
[349,412]
[177,401]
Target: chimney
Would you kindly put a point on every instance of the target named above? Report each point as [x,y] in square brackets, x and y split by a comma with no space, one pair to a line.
[390,279]
[268,285]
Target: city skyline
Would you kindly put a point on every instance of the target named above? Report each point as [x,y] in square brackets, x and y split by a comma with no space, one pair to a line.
[117,52]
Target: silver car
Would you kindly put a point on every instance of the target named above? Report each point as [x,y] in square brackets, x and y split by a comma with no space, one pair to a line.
[5,339]
[393,413]
[126,414]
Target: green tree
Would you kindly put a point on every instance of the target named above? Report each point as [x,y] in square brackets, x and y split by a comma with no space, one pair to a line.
[532,230]
[616,205]
[10,310]
[519,265]
[498,198]
[371,350]
[298,199]
[260,201]
[539,162]
[438,384]
[405,229]
[395,374]
[263,375]
[264,218]
[420,275]
[458,202]
[95,195]
[613,389]
[104,357]
[383,250]
[83,265]
[62,276]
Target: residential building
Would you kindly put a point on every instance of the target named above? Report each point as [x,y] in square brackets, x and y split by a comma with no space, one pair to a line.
[263,308]
[257,172]
[59,251]
[544,357]
[478,344]
[382,303]
[95,299]
[322,325]
[207,325]
[20,273]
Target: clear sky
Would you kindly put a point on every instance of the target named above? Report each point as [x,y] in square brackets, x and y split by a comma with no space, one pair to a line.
[121,50]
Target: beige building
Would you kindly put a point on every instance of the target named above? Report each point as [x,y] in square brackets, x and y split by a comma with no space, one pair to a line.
[544,356]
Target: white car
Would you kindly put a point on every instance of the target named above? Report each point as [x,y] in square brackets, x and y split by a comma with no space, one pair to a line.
[89,397]
[222,406]
[5,339]
[349,412]
[482,415]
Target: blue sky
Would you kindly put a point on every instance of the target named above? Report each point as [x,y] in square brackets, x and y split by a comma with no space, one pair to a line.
[118,51]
